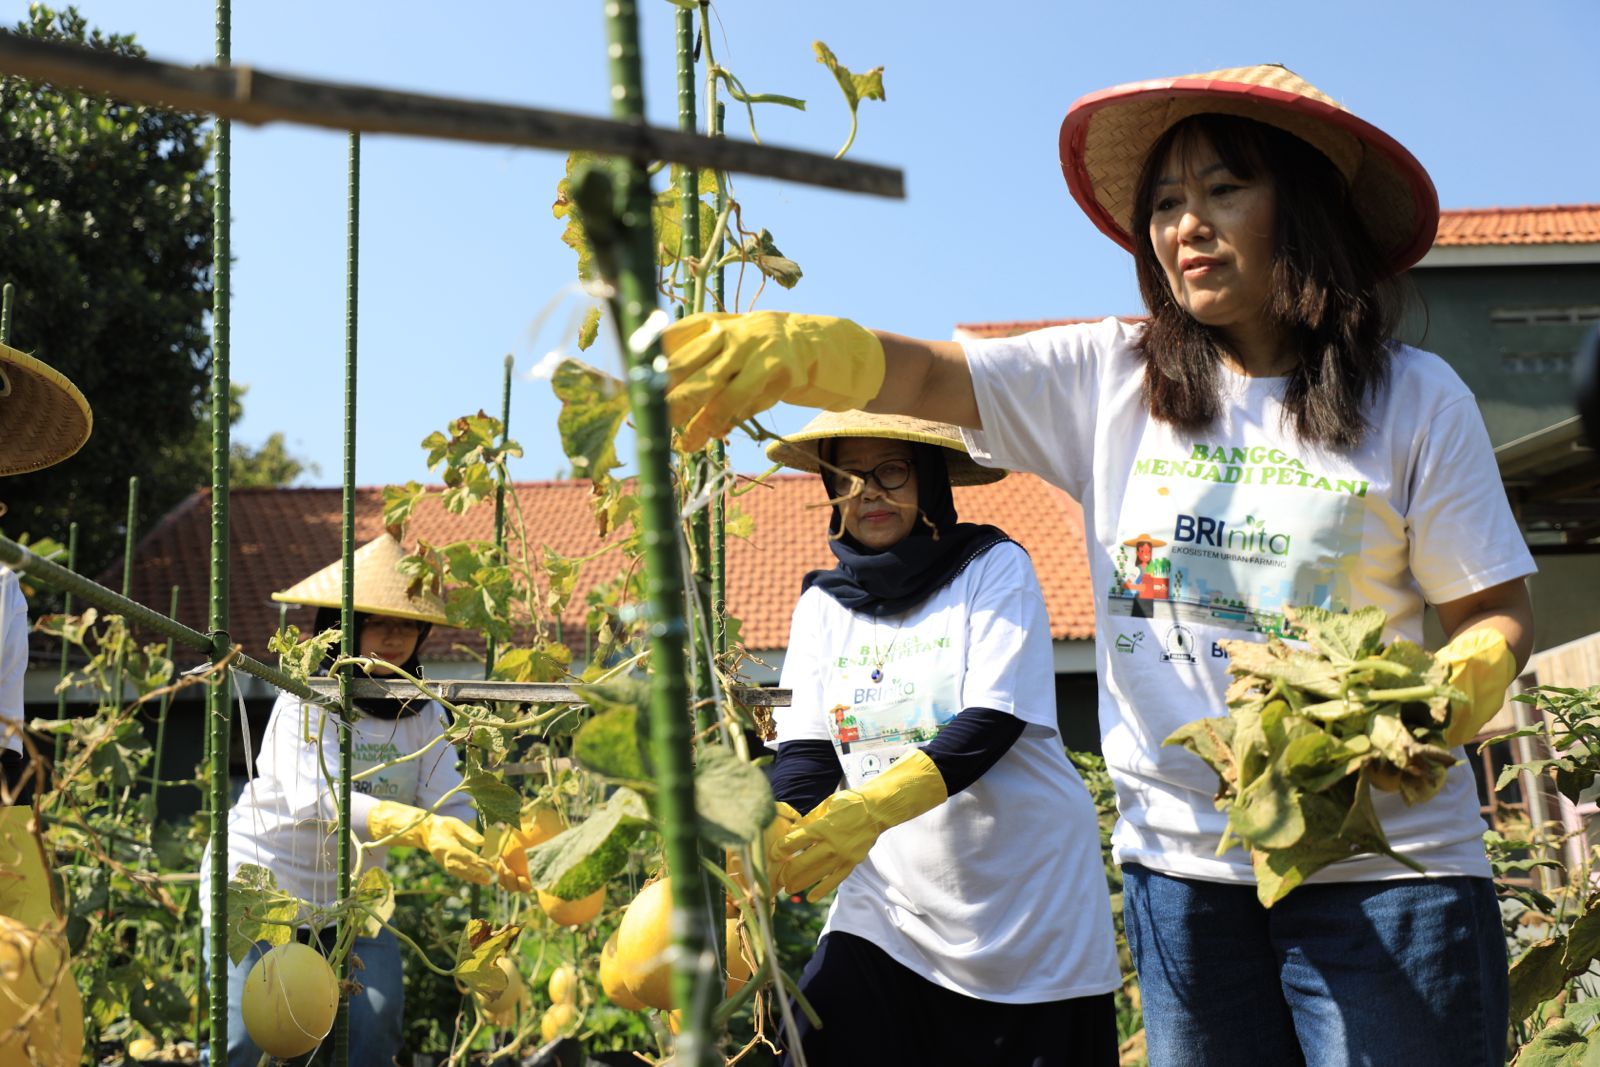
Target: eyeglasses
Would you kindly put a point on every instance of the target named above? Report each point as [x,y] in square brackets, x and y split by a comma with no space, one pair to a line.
[891,474]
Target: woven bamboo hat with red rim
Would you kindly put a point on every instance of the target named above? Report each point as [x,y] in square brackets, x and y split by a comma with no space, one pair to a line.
[801,450]
[381,587]
[1107,135]
[43,417]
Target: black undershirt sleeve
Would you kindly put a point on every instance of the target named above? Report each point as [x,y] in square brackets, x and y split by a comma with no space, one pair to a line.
[970,744]
[806,771]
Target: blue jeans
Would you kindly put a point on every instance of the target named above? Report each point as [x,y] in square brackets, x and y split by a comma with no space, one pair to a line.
[376,1012]
[1347,973]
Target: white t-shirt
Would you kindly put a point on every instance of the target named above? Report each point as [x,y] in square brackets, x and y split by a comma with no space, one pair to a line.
[998,893]
[13,658]
[287,817]
[1241,519]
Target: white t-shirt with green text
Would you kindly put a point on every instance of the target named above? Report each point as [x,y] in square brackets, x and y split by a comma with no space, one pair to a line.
[999,892]
[286,819]
[1195,539]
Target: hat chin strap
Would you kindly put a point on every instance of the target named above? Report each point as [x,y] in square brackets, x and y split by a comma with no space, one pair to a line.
[5,383]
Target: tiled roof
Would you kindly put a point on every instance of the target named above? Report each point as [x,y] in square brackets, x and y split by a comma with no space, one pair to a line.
[1554,225]
[279,536]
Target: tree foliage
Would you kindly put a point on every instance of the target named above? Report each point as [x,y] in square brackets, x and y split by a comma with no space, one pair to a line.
[105,226]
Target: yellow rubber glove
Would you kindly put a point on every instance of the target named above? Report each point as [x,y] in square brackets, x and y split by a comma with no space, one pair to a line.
[837,834]
[1481,666]
[723,368]
[453,843]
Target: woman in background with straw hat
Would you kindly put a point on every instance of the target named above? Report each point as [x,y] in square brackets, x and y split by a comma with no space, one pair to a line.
[1264,422]
[286,819]
[43,420]
[922,766]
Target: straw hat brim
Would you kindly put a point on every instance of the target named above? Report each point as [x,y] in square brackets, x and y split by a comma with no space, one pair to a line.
[43,417]
[1106,136]
[1155,542]
[801,450]
[380,587]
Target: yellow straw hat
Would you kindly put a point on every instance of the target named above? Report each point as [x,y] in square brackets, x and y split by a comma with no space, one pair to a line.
[800,450]
[1107,135]
[43,417]
[380,587]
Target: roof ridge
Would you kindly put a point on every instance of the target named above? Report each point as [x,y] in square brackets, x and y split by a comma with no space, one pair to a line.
[1523,210]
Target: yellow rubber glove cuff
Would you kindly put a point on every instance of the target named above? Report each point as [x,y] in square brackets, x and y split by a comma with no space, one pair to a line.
[1482,667]
[837,834]
[782,822]
[722,368]
[451,842]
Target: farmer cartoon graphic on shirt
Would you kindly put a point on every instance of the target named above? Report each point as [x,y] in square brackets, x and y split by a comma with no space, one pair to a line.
[1149,579]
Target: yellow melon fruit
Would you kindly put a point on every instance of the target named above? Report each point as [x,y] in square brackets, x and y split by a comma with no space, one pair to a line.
[36,985]
[643,939]
[290,997]
[611,978]
[559,1019]
[573,912]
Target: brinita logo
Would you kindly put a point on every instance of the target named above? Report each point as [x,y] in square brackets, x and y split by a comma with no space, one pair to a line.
[1248,536]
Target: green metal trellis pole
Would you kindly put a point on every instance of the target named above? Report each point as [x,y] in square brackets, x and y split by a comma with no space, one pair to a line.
[347,614]
[500,509]
[6,296]
[129,536]
[219,707]
[719,457]
[161,718]
[624,245]
[66,609]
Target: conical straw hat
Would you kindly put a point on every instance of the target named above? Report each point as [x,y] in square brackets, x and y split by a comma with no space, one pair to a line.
[1107,135]
[380,587]
[800,450]
[43,417]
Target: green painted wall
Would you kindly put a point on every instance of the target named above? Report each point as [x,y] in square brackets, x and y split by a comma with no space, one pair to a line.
[1520,371]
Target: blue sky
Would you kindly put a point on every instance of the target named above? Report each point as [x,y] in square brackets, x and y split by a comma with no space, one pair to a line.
[459,251]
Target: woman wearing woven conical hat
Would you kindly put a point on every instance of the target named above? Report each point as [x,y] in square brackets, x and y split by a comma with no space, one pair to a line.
[287,816]
[43,420]
[922,768]
[1262,421]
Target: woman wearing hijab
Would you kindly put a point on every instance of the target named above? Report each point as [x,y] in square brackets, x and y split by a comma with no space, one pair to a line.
[921,758]
[286,819]
[1265,423]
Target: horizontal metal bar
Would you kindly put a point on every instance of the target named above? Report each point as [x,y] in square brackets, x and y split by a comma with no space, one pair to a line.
[20,558]
[519,692]
[256,96]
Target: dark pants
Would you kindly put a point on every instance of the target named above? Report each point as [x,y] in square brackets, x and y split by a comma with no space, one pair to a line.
[1337,974]
[876,1012]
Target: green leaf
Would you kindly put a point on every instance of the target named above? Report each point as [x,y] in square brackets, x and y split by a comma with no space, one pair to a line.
[584,857]
[593,407]
[258,911]
[1558,1045]
[1211,740]
[731,796]
[376,893]
[1537,976]
[1341,637]
[590,328]
[759,249]
[399,502]
[856,87]
[480,945]
[574,236]
[614,744]
[495,801]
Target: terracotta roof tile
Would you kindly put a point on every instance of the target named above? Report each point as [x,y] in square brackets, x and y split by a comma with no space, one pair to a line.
[1555,224]
[279,536]
[1022,326]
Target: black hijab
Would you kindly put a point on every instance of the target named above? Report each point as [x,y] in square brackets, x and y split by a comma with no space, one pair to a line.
[898,578]
[378,707]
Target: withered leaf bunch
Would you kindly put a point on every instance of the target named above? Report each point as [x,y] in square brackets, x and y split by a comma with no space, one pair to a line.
[1311,732]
